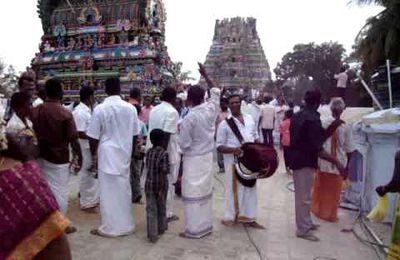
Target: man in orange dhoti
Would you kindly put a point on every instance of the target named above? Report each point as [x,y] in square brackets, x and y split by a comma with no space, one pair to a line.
[328,181]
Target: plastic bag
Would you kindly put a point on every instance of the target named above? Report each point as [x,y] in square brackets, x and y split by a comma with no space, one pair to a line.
[380,210]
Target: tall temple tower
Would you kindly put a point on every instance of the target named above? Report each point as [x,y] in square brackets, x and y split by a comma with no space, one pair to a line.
[236,58]
[87,41]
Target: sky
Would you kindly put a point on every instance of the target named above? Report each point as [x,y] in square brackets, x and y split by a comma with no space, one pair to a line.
[190,26]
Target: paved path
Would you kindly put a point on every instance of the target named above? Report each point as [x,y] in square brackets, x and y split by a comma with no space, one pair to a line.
[276,212]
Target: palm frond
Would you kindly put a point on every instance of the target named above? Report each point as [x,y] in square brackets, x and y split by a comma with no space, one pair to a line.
[369,2]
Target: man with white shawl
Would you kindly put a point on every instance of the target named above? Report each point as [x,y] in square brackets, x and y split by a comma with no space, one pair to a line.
[112,135]
[196,140]
[240,200]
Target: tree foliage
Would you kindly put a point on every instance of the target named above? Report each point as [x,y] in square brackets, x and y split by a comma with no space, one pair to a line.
[379,39]
[316,62]
[178,75]
[8,80]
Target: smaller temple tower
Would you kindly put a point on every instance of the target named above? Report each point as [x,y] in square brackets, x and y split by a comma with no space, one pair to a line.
[236,59]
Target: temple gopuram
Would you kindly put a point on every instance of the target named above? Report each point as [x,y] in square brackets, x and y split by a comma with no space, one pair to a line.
[236,59]
[86,41]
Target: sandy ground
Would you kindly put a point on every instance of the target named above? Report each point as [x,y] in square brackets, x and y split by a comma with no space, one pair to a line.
[275,211]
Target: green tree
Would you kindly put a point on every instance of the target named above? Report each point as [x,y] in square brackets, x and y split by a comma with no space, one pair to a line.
[178,75]
[312,62]
[379,39]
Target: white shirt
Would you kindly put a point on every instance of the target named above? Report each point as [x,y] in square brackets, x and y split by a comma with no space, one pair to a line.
[280,115]
[38,101]
[114,123]
[196,131]
[82,115]
[267,116]
[226,137]
[341,79]
[165,117]
[255,112]
[15,124]
[273,102]
[244,108]
[345,145]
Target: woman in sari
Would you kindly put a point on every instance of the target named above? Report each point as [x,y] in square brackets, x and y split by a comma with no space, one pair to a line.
[31,225]
[328,181]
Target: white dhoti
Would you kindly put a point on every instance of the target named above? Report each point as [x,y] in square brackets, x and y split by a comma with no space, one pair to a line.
[240,201]
[197,188]
[172,177]
[88,185]
[115,204]
[57,176]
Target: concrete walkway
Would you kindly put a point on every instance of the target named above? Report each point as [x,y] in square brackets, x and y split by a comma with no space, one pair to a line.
[276,213]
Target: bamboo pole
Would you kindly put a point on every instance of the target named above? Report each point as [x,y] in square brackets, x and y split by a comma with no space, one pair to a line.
[370,93]
[389,83]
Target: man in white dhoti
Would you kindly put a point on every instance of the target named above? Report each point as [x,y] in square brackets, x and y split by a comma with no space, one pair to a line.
[240,200]
[196,140]
[166,117]
[111,132]
[88,184]
[56,132]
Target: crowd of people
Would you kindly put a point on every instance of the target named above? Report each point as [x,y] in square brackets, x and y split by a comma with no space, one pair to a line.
[126,150]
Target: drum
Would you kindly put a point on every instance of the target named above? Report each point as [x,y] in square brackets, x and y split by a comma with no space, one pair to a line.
[258,161]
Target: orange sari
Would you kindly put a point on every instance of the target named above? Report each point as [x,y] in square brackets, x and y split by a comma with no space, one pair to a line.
[327,190]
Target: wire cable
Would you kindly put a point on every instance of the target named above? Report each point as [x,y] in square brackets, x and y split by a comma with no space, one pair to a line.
[324,258]
[366,242]
[245,228]
[252,242]
[221,182]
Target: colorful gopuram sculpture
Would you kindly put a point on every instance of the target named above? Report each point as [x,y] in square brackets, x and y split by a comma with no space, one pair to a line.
[236,59]
[86,41]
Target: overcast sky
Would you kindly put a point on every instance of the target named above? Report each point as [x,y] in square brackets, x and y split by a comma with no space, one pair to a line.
[190,26]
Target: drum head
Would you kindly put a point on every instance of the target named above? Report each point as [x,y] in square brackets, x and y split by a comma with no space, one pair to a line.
[245,173]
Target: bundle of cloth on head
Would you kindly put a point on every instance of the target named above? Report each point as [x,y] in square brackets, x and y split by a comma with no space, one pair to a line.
[182,96]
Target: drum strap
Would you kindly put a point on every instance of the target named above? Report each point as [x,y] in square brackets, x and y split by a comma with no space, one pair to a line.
[236,132]
[235,129]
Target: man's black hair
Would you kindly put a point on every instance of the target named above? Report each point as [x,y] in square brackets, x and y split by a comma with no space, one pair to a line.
[85,93]
[168,95]
[233,96]
[267,99]
[289,113]
[113,86]
[53,89]
[196,94]
[135,93]
[24,77]
[157,137]
[313,97]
